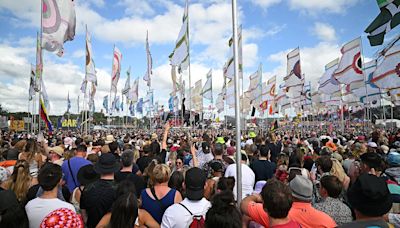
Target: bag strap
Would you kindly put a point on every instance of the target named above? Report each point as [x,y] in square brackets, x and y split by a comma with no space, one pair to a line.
[72,175]
[153,192]
[186,209]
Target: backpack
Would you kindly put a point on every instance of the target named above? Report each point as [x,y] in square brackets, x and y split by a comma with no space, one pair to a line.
[197,220]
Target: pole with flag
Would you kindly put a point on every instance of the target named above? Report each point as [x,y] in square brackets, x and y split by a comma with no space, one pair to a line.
[149,71]
[237,102]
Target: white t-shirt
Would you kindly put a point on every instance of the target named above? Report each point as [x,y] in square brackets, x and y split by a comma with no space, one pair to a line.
[177,216]
[38,208]
[248,179]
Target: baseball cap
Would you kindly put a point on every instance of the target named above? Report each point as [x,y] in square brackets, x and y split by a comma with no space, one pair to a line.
[195,180]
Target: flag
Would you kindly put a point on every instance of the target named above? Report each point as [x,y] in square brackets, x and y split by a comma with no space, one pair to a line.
[68,103]
[83,86]
[387,19]
[230,94]
[366,92]
[197,99]
[268,90]
[116,103]
[149,72]
[116,69]
[255,86]
[32,83]
[274,126]
[132,109]
[220,103]
[134,94]
[90,67]
[122,105]
[294,80]
[350,66]
[229,70]
[180,56]
[127,86]
[387,74]
[58,24]
[264,105]
[173,77]
[39,64]
[139,106]
[78,103]
[105,103]
[45,107]
[327,83]
[207,89]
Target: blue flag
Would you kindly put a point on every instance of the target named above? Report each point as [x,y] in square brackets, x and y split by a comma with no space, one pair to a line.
[139,106]
[171,103]
[132,109]
[105,103]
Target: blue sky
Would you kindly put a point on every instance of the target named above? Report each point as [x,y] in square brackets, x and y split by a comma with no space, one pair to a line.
[271,29]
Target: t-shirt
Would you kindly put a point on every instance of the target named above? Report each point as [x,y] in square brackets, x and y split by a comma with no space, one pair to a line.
[39,208]
[97,199]
[248,179]
[301,212]
[291,224]
[143,162]
[366,224]
[138,181]
[263,169]
[76,163]
[170,218]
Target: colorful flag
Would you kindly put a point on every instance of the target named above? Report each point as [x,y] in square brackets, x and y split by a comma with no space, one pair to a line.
[387,19]
[45,107]
[127,86]
[387,75]
[105,103]
[39,64]
[294,80]
[32,83]
[180,56]
[58,24]
[149,71]
[90,67]
[139,106]
[68,103]
[116,69]
[350,66]
[268,90]
[367,92]
[327,83]
[264,105]
[171,103]
[207,89]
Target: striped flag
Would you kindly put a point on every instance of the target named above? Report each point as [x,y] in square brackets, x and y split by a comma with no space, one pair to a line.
[90,67]
[207,89]
[116,69]
[387,19]
[180,56]
[387,74]
[39,64]
[149,71]
[58,24]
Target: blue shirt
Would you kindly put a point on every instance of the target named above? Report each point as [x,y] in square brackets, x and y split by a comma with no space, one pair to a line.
[76,164]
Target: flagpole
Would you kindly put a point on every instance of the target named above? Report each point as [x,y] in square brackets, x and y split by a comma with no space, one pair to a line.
[365,82]
[190,74]
[110,108]
[237,103]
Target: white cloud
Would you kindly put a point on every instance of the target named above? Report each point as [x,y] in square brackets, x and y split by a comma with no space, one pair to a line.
[324,32]
[319,6]
[78,54]
[266,3]
[137,7]
[275,29]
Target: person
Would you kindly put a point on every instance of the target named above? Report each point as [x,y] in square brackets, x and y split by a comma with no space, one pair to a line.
[370,198]
[176,181]
[56,155]
[218,152]
[248,177]
[263,168]
[301,211]
[127,172]
[277,201]
[4,175]
[49,180]
[330,190]
[86,175]
[20,180]
[158,198]
[12,212]
[194,206]
[275,146]
[32,155]
[223,213]
[145,159]
[204,154]
[71,167]
[98,197]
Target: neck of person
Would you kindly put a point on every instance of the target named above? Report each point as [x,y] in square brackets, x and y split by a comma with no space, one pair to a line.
[218,157]
[127,169]
[278,221]
[361,217]
[108,176]
[52,194]
[80,154]
[261,158]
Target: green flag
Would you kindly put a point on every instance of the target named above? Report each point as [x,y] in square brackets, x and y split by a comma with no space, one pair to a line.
[388,18]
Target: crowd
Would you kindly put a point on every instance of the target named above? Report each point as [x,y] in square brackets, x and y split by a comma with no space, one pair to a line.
[182,178]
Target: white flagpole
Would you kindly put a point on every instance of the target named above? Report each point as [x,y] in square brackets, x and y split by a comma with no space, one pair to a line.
[237,103]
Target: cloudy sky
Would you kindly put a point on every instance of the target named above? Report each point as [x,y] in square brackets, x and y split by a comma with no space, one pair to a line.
[271,29]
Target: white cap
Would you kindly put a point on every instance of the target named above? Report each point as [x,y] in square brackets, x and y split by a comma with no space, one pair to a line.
[372,144]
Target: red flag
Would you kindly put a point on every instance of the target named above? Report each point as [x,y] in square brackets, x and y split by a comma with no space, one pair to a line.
[264,105]
[271,109]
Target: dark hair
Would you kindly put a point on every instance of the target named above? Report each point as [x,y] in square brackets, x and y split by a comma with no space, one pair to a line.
[277,198]
[127,158]
[146,149]
[264,151]
[78,142]
[325,162]
[126,186]
[223,212]
[332,185]
[218,149]
[226,183]
[81,148]
[155,147]
[49,176]
[124,211]
[113,146]
[205,147]
[176,181]
[14,215]
[372,160]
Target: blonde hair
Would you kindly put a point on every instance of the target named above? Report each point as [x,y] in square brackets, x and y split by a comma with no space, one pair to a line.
[337,170]
[20,180]
[161,173]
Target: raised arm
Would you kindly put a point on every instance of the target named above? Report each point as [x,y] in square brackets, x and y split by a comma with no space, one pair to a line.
[165,136]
